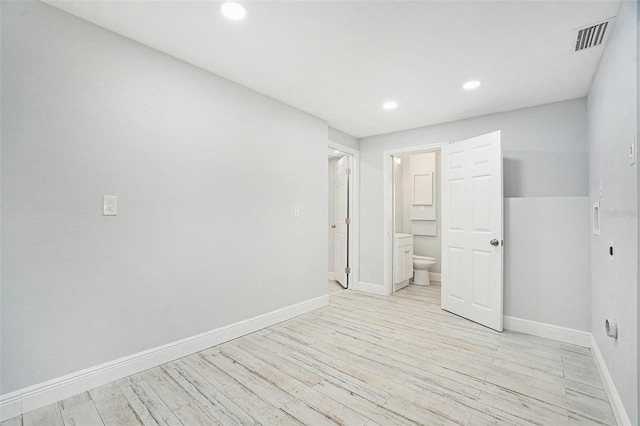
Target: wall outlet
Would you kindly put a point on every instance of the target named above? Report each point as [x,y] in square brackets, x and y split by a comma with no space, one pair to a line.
[612,248]
[109,205]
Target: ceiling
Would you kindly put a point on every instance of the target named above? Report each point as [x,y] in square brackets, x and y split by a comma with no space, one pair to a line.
[340,60]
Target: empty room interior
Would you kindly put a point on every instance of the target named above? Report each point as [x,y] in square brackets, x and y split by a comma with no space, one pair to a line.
[177,175]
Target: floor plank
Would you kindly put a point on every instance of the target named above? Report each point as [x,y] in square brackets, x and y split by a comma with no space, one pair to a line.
[79,410]
[334,287]
[48,415]
[363,360]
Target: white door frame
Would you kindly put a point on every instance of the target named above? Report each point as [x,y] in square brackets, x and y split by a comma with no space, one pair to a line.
[387,173]
[354,213]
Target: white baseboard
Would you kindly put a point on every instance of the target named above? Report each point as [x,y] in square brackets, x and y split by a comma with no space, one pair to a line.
[36,396]
[331,275]
[434,276]
[10,405]
[372,288]
[554,332]
[614,397]
[580,338]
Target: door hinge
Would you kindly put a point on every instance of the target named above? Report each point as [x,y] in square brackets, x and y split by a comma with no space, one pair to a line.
[347,270]
[348,221]
[348,171]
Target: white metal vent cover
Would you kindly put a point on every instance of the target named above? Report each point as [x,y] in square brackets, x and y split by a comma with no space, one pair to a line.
[592,35]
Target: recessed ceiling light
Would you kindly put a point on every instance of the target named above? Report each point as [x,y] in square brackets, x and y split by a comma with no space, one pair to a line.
[390,105]
[233,10]
[470,85]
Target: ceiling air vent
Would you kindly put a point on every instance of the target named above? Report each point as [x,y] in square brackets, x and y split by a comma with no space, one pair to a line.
[591,36]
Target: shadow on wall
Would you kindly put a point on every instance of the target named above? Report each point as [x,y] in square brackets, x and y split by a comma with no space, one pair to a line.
[545,173]
[512,171]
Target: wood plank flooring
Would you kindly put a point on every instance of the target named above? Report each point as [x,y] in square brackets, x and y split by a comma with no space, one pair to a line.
[363,360]
[334,287]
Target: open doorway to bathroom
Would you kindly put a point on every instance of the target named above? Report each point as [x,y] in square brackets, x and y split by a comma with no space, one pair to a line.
[412,216]
[417,218]
[471,232]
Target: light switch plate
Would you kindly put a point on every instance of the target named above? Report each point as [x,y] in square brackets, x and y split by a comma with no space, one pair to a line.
[632,152]
[296,211]
[109,205]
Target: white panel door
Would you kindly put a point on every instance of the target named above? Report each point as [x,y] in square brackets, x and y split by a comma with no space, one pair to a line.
[341,242]
[472,217]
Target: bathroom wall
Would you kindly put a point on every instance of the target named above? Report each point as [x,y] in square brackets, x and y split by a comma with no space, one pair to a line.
[423,245]
[612,124]
[207,174]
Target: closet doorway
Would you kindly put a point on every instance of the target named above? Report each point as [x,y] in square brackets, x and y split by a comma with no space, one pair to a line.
[342,218]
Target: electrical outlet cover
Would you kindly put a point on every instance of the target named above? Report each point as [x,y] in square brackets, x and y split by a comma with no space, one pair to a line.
[109,205]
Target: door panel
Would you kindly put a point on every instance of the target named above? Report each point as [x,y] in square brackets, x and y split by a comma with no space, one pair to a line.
[481,277]
[341,212]
[472,217]
[456,277]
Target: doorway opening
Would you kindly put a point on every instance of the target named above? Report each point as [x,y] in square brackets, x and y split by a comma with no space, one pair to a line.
[417,218]
[342,219]
[399,197]
[471,229]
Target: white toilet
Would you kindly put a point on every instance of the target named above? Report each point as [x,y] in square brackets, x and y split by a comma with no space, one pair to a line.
[421,265]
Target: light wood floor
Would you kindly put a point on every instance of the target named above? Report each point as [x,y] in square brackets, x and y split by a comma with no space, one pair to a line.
[362,360]
[334,287]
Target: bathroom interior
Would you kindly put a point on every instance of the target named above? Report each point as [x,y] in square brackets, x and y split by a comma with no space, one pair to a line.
[417,219]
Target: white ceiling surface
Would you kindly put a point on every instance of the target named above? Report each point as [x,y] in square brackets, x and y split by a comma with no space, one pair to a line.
[340,60]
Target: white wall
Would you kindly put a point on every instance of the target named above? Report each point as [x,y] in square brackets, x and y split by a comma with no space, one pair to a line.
[546,261]
[206,185]
[612,118]
[545,155]
[342,138]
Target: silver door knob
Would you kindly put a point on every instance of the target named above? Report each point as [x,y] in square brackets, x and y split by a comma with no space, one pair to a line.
[494,242]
